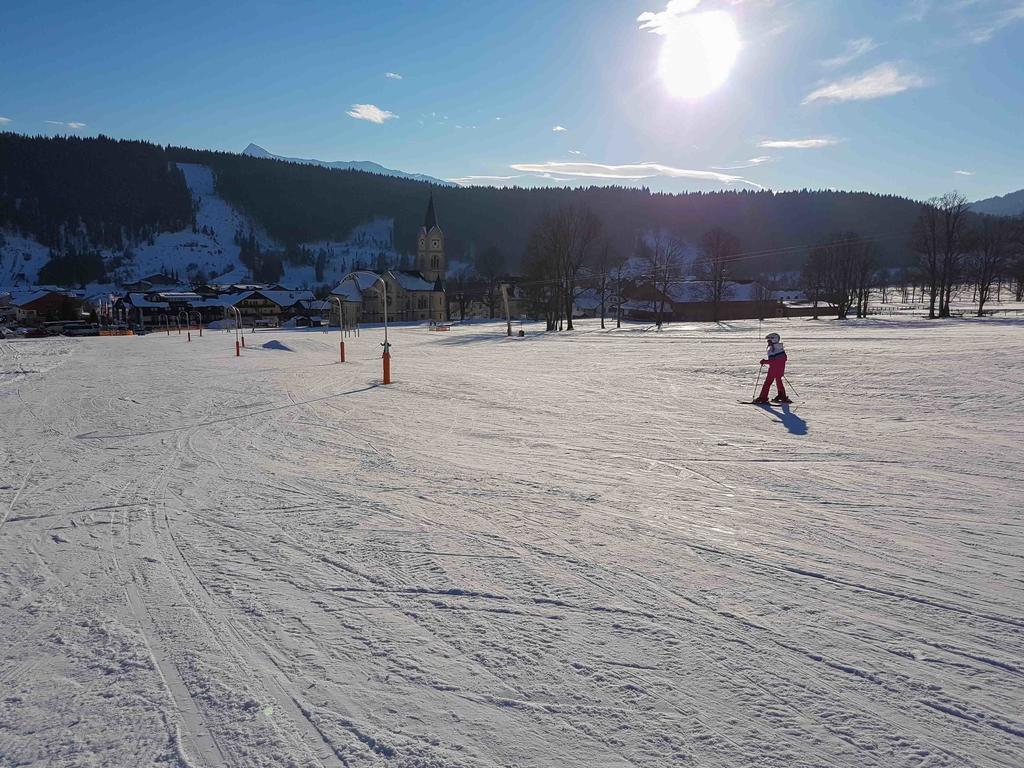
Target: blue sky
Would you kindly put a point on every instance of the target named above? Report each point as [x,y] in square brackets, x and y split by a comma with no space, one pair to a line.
[912,97]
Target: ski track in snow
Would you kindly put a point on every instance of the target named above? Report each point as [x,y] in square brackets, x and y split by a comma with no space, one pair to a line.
[569,549]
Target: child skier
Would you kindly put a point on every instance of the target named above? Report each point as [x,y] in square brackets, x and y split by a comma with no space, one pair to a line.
[776,362]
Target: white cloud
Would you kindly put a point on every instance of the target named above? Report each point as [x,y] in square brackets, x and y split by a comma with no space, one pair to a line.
[964,173]
[992,18]
[370,112]
[484,180]
[72,126]
[796,143]
[392,76]
[854,49]
[660,22]
[575,152]
[559,129]
[883,80]
[751,163]
[630,172]
[4,120]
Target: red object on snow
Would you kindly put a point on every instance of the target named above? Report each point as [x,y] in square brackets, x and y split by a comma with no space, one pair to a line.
[776,370]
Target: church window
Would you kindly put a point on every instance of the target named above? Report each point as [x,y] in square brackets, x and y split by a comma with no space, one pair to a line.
[435,243]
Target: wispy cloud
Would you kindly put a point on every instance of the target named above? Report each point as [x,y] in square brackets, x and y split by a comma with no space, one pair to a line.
[751,163]
[660,22]
[630,172]
[797,143]
[883,80]
[854,50]
[575,152]
[992,17]
[73,126]
[917,10]
[392,76]
[4,120]
[964,173]
[490,181]
[371,113]
[559,129]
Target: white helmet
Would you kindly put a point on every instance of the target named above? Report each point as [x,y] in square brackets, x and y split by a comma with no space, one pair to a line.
[774,338]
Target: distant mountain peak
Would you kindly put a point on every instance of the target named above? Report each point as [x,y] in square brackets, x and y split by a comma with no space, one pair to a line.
[1011,204]
[255,150]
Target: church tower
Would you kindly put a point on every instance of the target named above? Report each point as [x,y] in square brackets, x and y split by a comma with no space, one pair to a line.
[430,260]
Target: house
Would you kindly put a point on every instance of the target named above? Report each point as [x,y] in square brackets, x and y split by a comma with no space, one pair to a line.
[44,304]
[267,307]
[691,300]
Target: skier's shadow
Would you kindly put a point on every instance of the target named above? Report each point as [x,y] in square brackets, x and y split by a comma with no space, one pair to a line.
[788,419]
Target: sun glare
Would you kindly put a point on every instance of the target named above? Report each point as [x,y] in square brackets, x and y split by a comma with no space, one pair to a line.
[698,54]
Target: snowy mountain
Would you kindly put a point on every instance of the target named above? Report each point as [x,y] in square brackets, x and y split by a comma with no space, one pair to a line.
[254,150]
[1011,204]
[210,251]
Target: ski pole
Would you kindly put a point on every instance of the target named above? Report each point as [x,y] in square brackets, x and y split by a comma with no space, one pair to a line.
[790,385]
[757,381]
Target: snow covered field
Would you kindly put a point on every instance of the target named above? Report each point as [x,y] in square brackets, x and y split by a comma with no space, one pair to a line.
[564,550]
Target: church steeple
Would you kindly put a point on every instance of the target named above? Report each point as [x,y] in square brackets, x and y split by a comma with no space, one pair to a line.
[430,221]
[430,259]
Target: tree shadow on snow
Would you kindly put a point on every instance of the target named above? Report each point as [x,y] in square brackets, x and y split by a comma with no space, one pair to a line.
[787,418]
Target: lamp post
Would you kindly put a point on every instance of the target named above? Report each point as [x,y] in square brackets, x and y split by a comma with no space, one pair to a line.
[238,327]
[386,357]
[341,328]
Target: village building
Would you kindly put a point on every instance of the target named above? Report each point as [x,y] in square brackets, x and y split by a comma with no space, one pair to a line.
[412,295]
[41,305]
[263,307]
[691,300]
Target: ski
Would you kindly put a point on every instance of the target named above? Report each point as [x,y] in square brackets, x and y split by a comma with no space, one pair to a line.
[751,402]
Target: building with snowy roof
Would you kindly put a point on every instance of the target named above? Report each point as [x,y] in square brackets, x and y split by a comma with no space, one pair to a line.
[417,294]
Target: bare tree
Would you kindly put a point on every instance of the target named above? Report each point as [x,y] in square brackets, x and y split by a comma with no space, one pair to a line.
[938,238]
[812,277]
[609,259]
[490,265]
[838,272]
[619,273]
[663,257]
[989,242]
[560,246]
[717,249]
[543,277]
[458,287]
[865,276]
[581,230]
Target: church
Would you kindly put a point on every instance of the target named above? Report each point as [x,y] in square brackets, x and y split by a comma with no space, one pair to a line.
[413,295]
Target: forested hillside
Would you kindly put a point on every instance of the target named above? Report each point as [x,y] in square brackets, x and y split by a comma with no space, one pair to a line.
[111,192]
[80,195]
[302,203]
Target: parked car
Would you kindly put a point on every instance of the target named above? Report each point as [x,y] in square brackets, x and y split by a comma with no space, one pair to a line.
[81,329]
[37,333]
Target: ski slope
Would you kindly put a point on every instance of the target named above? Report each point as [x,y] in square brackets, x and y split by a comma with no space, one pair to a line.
[211,249]
[570,549]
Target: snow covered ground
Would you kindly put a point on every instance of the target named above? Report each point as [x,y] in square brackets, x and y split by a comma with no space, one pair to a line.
[563,550]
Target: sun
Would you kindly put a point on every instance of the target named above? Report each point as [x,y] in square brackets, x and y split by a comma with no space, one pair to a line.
[698,54]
